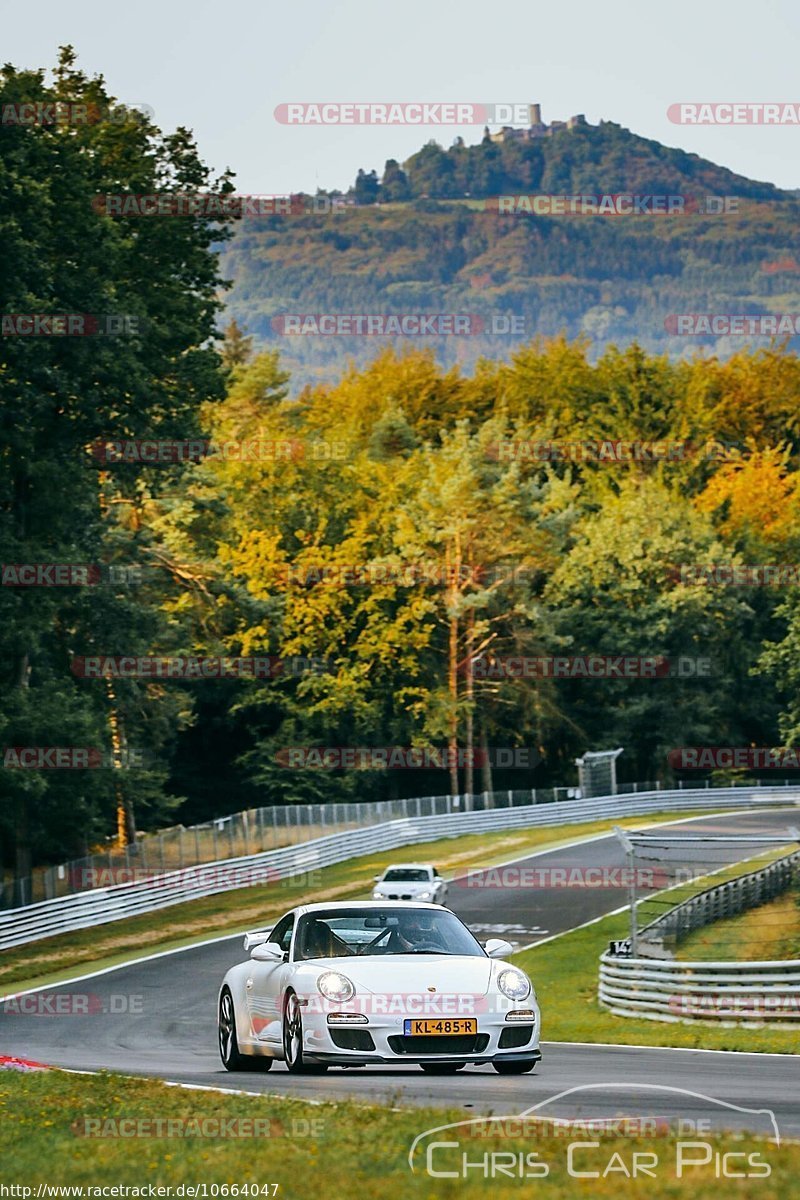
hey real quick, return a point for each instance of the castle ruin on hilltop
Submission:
(536, 129)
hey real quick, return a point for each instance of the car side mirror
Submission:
(267, 952)
(497, 948)
(377, 879)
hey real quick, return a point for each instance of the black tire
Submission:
(515, 1068)
(442, 1068)
(293, 1040)
(232, 1060)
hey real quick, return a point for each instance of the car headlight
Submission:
(425, 895)
(335, 986)
(514, 984)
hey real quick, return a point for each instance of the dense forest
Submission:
(385, 540)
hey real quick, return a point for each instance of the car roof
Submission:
(406, 866)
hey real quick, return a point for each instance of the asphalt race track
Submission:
(158, 1017)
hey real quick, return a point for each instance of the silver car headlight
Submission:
(514, 984)
(335, 986)
(425, 895)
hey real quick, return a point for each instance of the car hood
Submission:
(412, 973)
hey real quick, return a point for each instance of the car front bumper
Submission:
(497, 1039)
(364, 1060)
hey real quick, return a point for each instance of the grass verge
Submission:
(53, 959)
(771, 931)
(332, 1150)
(565, 974)
(652, 906)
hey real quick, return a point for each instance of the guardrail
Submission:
(101, 905)
(721, 901)
(258, 829)
(750, 992)
(252, 831)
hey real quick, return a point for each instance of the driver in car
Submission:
(411, 934)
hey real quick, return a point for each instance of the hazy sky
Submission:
(222, 68)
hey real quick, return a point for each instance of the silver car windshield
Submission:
(369, 932)
(407, 875)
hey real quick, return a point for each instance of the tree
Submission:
(367, 187)
(615, 594)
(64, 253)
(237, 350)
(755, 501)
(394, 184)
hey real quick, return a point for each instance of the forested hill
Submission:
(426, 237)
(601, 158)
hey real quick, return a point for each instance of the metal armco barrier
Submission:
(101, 905)
(724, 900)
(752, 992)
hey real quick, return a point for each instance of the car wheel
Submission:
(232, 1058)
(515, 1068)
(293, 1040)
(442, 1068)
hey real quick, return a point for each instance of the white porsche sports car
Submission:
(423, 991)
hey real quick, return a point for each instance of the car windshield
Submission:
(338, 933)
(407, 875)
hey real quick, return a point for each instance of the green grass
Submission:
(565, 975)
(333, 1151)
(53, 959)
(771, 931)
(655, 905)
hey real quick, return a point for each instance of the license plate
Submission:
(440, 1027)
